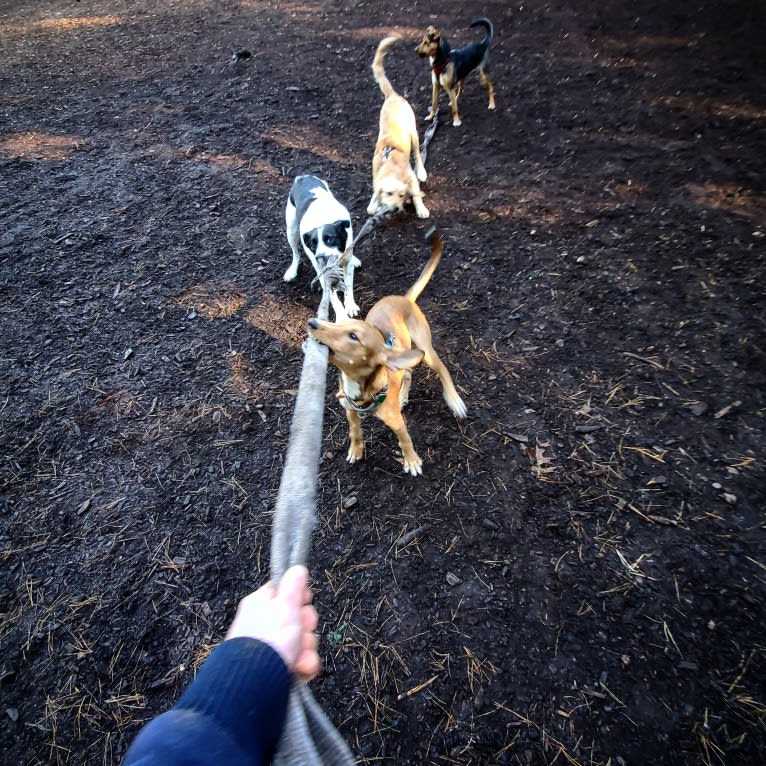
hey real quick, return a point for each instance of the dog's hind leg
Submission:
(420, 335)
(487, 83)
(451, 396)
(293, 237)
(420, 168)
(422, 339)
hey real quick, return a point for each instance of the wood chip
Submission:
(727, 409)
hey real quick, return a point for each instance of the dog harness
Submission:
(377, 399)
(439, 68)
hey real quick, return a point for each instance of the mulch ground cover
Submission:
(580, 574)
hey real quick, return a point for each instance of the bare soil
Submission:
(579, 576)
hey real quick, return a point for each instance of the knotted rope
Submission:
(309, 738)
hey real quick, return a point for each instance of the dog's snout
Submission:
(314, 323)
(322, 260)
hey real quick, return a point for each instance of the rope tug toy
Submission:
(309, 738)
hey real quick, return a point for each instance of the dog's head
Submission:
(393, 192)
(429, 45)
(358, 349)
(328, 242)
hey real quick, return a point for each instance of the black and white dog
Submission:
(318, 222)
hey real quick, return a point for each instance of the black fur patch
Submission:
(311, 240)
(335, 235)
(302, 194)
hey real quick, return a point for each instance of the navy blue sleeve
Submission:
(233, 712)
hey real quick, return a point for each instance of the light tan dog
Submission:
(375, 357)
(394, 183)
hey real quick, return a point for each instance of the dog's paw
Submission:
(352, 310)
(355, 452)
(422, 212)
(457, 123)
(290, 274)
(413, 465)
(372, 209)
(430, 116)
(457, 407)
(421, 174)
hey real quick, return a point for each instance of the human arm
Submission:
(234, 710)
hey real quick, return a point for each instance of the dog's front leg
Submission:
(420, 168)
(393, 418)
(338, 307)
(420, 209)
(435, 91)
(372, 208)
(454, 94)
(356, 448)
(352, 262)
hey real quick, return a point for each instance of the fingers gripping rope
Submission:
(309, 738)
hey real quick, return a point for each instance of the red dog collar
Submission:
(439, 68)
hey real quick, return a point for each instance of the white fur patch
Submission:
(351, 388)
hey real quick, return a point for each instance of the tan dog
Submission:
(394, 183)
(450, 66)
(375, 357)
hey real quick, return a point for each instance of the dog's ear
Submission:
(403, 360)
(341, 232)
(310, 240)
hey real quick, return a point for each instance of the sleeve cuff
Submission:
(243, 686)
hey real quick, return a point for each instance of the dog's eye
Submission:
(353, 336)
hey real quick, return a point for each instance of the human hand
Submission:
(283, 618)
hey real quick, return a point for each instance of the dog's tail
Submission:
(484, 22)
(437, 245)
(377, 65)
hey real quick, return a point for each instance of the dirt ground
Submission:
(579, 575)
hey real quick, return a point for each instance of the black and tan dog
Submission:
(375, 357)
(450, 66)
